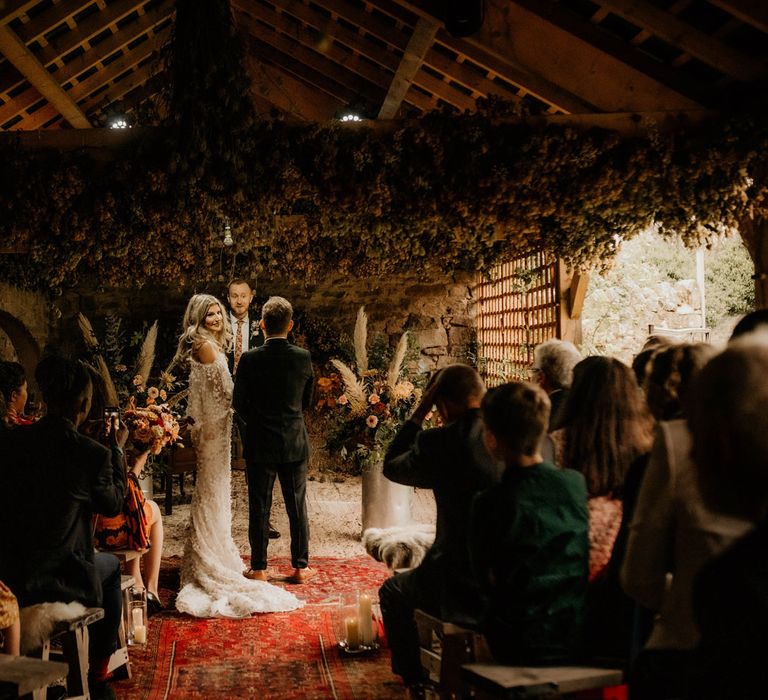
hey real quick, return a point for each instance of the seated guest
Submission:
(753, 321)
(729, 425)
(454, 462)
(553, 363)
(10, 632)
(53, 480)
(113, 532)
(672, 532)
(529, 541)
(13, 387)
(607, 429)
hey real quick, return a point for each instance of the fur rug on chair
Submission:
(37, 622)
(399, 547)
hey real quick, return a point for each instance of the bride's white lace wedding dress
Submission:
(212, 581)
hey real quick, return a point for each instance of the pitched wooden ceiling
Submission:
(78, 63)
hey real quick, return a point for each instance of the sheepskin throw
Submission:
(37, 622)
(399, 547)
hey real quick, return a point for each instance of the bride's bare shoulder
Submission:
(205, 352)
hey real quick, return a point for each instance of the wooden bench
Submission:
(180, 461)
(492, 681)
(23, 675)
(74, 650)
(119, 662)
(444, 649)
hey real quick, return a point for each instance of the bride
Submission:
(212, 581)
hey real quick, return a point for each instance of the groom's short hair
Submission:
(276, 313)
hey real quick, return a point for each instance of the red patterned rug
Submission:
(277, 655)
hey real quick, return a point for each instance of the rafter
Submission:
(322, 43)
(356, 86)
(753, 12)
(121, 88)
(290, 95)
(17, 53)
(690, 40)
(296, 10)
(41, 24)
(11, 9)
(122, 64)
(419, 44)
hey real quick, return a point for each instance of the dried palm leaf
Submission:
(176, 398)
(353, 388)
(393, 373)
(89, 335)
(146, 356)
(360, 341)
(110, 392)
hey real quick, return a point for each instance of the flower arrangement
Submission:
(153, 426)
(367, 406)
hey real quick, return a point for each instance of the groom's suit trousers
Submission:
(293, 484)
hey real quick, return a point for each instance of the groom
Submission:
(273, 386)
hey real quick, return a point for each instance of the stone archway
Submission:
(24, 346)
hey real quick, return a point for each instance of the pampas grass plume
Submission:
(147, 355)
(354, 389)
(360, 341)
(393, 373)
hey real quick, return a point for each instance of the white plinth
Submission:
(385, 503)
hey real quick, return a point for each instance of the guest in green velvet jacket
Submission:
(529, 537)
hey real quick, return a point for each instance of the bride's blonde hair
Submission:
(194, 332)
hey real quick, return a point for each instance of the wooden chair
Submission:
(119, 662)
(444, 649)
(493, 681)
(181, 460)
(23, 675)
(73, 635)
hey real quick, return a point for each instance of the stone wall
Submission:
(24, 325)
(439, 312)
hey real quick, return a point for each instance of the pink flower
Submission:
(374, 399)
(152, 392)
(342, 400)
(163, 395)
(372, 421)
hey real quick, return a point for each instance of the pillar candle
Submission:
(140, 634)
(366, 620)
(137, 617)
(352, 626)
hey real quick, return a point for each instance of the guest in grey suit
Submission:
(273, 387)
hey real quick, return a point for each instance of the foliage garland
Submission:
(442, 193)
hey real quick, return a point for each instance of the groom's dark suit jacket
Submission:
(273, 386)
(52, 480)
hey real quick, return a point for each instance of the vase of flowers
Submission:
(368, 405)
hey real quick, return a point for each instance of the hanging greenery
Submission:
(442, 193)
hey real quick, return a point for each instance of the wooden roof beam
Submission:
(752, 12)
(320, 42)
(121, 88)
(419, 44)
(688, 39)
(41, 24)
(290, 95)
(357, 86)
(11, 9)
(25, 61)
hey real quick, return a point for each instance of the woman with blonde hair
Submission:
(212, 580)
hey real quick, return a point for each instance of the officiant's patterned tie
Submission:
(238, 343)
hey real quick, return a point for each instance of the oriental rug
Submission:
(277, 655)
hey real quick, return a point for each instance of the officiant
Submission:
(246, 335)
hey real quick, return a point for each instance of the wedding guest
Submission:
(10, 631)
(607, 429)
(553, 363)
(729, 427)
(13, 387)
(529, 542)
(112, 532)
(246, 334)
(673, 531)
(754, 320)
(46, 552)
(455, 463)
